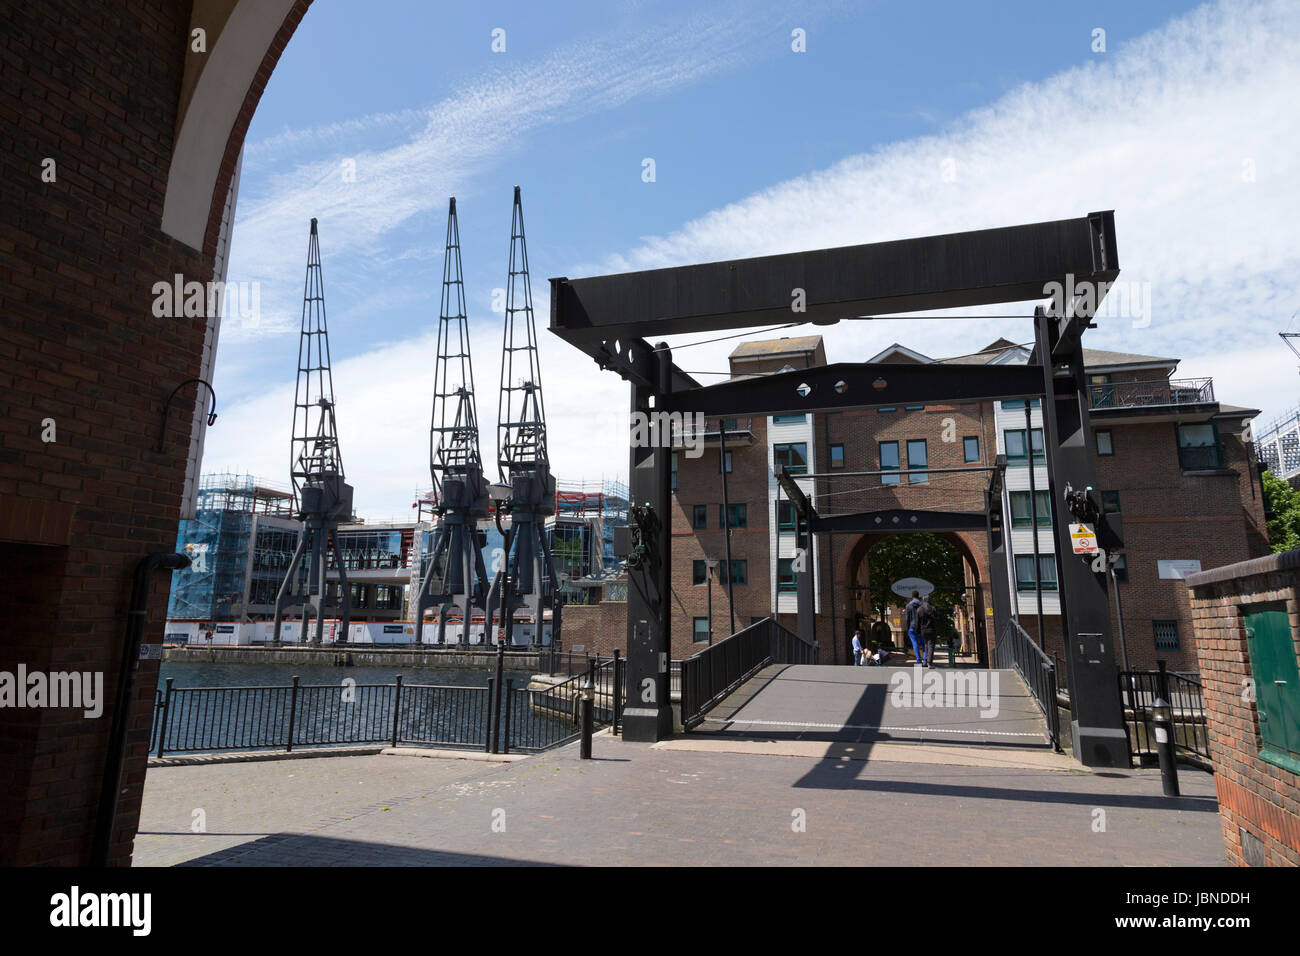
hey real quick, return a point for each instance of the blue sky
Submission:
(900, 119)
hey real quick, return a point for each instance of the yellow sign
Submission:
(1084, 538)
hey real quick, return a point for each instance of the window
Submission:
(699, 572)
(886, 410)
(1105, 443)
(1021, 517)
(785, 516)
(1166, 635)
(785, 577)
(789, 419)
(729, 425)
(971, 447)
(792, 456)
(1198, 447)
(917, 457)
(739, 572)
(1015, 444)
(1025, 572)
(1110, 502)
(889, 462)
(700, 630)
(1120, 567)
(700, 517)
(837, 456)
(738, 514)
(913, 408)
(674, 474)
(724, 463)
(1018, 404)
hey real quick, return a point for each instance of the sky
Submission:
(895, 120)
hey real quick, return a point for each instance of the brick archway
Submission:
(972, 548)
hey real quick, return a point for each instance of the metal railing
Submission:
(1015, 648)
(540, 718)
(205, 719)
(1164, 391)
(1138, 691)
(1200, 457)
(709, 676)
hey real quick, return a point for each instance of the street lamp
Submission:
(502, 492)
(710, 565)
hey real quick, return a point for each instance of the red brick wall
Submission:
(1168, 515)
(1253, 793)
(95, 87)
(600, 628)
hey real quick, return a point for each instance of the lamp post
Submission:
(710, 565)
(501, 493)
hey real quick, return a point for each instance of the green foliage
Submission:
(1284, 503)
(917, 556)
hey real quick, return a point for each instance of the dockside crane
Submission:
(526, 578)
(322, 498)
(454, 577)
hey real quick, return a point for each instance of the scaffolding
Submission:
(1279, 445)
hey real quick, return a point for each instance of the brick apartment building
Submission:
(1170, 458)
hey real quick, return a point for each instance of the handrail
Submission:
(711, 674)
(1015, 648)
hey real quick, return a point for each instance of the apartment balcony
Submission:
(1165, 399)
(740, 431)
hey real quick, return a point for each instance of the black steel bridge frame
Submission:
(610, 318)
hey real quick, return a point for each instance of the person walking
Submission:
(909, 624)
(927, 627)
(857, 648)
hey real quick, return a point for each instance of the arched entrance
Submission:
(962, 590)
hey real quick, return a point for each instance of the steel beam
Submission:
(1097, 720)
(648, 715)
(958, 270)
(857, 385)
(891, 520)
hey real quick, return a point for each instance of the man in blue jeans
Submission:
(909, 623)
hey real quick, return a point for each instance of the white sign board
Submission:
(1084, 538)
(1177, 570)
(904, 587)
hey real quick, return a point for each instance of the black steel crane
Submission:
(454, 577)
(526, 578)
(321, 496)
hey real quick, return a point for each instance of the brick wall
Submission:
(1254, 794)
(95, 88)
(600, 628)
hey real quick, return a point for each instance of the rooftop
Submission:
(767, 348)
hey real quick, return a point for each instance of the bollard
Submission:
(1162, 719)
(588, 706)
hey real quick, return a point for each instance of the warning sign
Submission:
(1084, 538)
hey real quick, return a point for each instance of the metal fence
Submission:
(709, 676)
(538, 718)
(1017, 649)
(1138, 691)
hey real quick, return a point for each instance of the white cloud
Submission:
(1159, 130)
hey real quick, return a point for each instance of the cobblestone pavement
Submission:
(637, 805)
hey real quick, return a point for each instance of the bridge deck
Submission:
(865, 704)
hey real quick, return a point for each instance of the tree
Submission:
(918, 555)
(1283, 503)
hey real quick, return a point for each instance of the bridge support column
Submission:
(999, 582)
(1096, 718)
(648, 714)
(804, 577)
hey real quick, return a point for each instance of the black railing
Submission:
(1138, 691)
(1163, 391)
(544, 717)
(1200, 457)
(709, 676)
(204, 719)
(1017, 649)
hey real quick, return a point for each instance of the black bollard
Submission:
(1163, 721)
(588, 707)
